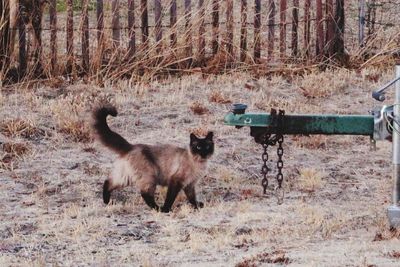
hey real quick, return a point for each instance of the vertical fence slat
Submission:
(53, 36)
(4, 34)
(295, 27)
(116, 32)
(202, 40)
(320, 29)
(257, 24)
(100, 21)
(361, 24)
(215, 26)
(188, 28)
(338, 46)
(22, 47)
(70, 35)
(282, 37)
(157, 17)
(307, 25)
(145, 23)
(229, 27)
(131, 28)
(271, 28)
(330, 27)
(172, 24)
(85, 35)
(243, 31)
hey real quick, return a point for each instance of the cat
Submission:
(150, 165)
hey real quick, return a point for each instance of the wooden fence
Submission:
(182, 34)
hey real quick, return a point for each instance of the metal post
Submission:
(394, 210)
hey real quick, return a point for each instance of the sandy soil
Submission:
(51, 173)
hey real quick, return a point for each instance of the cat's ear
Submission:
(193, 137)
(210, 136)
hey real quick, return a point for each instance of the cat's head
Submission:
(203, 147)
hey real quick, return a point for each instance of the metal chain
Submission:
(279, 164)
(265, 169)
(267, 140)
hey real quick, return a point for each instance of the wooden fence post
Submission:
(295, 26)
(157, 17)
(188, 28)
(100, 21)
(4, 34)
(330, 28)
(145, 23)
(53, 36)
(229, 27)
(116, 33)
(338, 47)
(131, 28)
(361, 22)
(22, 48)
(271, 29)
(202, 40)
(70, 35)
(85, 35)
(282, 43)
(307, 25)
(257, 37)
(243, 32)
(172, 24)
(320, 29)
(215, 25)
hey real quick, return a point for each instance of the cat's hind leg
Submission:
(147, 191)
(190, 193)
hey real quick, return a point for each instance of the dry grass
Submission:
(218, 97)
(310, 180)
(21, 128)
(323, 84)
(51, 202)
(77, 131)
(11, 153)
(199, 108)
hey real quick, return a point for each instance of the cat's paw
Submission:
(165, 210)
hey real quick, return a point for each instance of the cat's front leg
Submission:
(173, 190)
(190, 192)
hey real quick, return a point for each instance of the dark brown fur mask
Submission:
(204, 147)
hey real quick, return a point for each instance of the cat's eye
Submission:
(198, 147)
(207, 147)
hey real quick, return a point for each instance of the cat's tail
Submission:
(107, 137)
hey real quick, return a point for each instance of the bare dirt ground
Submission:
(51, 174)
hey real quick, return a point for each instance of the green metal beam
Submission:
(308, 124)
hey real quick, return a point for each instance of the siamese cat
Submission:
(147, 166)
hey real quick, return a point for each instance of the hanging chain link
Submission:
(270, 141)
(265, 169)
(279, 163)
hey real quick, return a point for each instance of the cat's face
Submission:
(204, 147)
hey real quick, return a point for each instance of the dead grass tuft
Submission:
(198, 108)
(310, 142)
(386, 233)
(277, 257)
(323, 84)
(394, 254)
(21, 128)
(201, 131)
(77, 130)
(310, 180)
(12, 152)
(218, 97)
